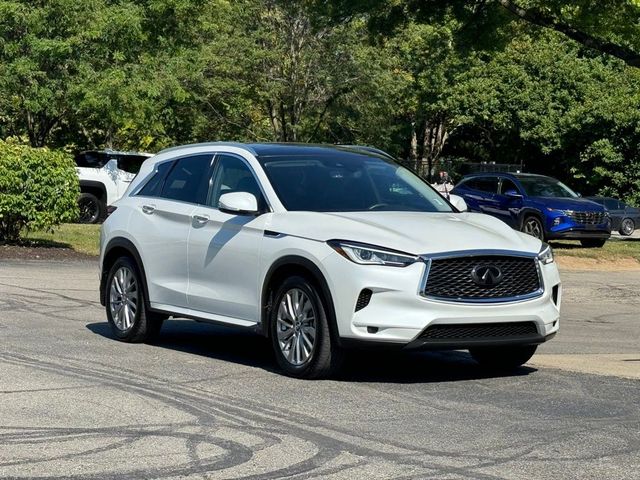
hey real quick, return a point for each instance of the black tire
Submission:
(593, 242)
(144, 325)
(325, 356)
(503, 358)
(92, 209)
(531, 225)
(627, 227)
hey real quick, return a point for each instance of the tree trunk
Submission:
(413, 147)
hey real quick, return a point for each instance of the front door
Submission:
(224, 248)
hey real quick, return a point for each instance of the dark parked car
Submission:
(540, 206)
(624, 217)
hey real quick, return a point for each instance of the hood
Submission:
(576, 204)
(412, 232)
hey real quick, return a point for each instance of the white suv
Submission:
(104, 177)
(321, 248)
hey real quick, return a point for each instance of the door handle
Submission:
(148, 209)
(200, 219)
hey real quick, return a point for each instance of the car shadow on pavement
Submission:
(384, 366)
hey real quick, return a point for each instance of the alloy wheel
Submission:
(627, 226)
(296, 326)
(532, 227)
(123, 298)
(89, 210)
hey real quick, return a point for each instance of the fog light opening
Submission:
(372, 329)
(363, 299)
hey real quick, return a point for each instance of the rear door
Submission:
(161, 225)
(224, 248)
(480, 194)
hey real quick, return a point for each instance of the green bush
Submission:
(38, 189)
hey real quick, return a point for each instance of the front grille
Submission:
(587, 218)
(453, 278)
(480, 331)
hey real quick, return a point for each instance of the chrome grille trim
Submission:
(429, 258)
(587, 218)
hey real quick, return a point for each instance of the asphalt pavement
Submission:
(208, 402)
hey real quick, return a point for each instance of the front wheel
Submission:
(593, 242)
(503, 358)
(627, 227)
(126, 311)
(533, 226)
(300, 331)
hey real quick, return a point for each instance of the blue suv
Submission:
(540, 206)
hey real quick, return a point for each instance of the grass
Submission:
(81, 238)
(615, 249)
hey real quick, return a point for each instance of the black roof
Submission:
(293, 149)
(507, 174)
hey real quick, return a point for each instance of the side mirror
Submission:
(512, 194)
(458, 202)
(238, 203)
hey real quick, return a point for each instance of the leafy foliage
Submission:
(38, 189)
(545, 84)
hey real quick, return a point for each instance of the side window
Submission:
(507, 185)
(233, 175)
(154, 185)
(130, 163)
(611, 204)
(187, 180)
(484, 184)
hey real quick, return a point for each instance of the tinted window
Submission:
(233, 175)
(187, 180)
(507, 185)
(612, 204)
(130, 163)
(92, 159)
(484, 184)
(154, 185)
(347, 182)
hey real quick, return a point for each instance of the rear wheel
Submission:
(533, 226)
(92, 209)
(627, 227)
(503, 358)
(300, 331)
(126, 311)
(593, 242)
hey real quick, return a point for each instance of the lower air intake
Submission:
(480, 331)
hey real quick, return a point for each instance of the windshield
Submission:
(349, 182)
(546, 187)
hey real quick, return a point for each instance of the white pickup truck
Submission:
(104, 177)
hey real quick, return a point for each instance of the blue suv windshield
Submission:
(546, 187)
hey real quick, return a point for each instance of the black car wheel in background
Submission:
(627, 227)
(624, 217)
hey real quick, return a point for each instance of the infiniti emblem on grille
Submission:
(486, 275)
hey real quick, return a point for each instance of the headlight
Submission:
(558, 211)
(546, 254)
(363, 254)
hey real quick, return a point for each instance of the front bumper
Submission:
(397, 315)
(578, 234)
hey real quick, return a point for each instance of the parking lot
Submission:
(208, 402)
